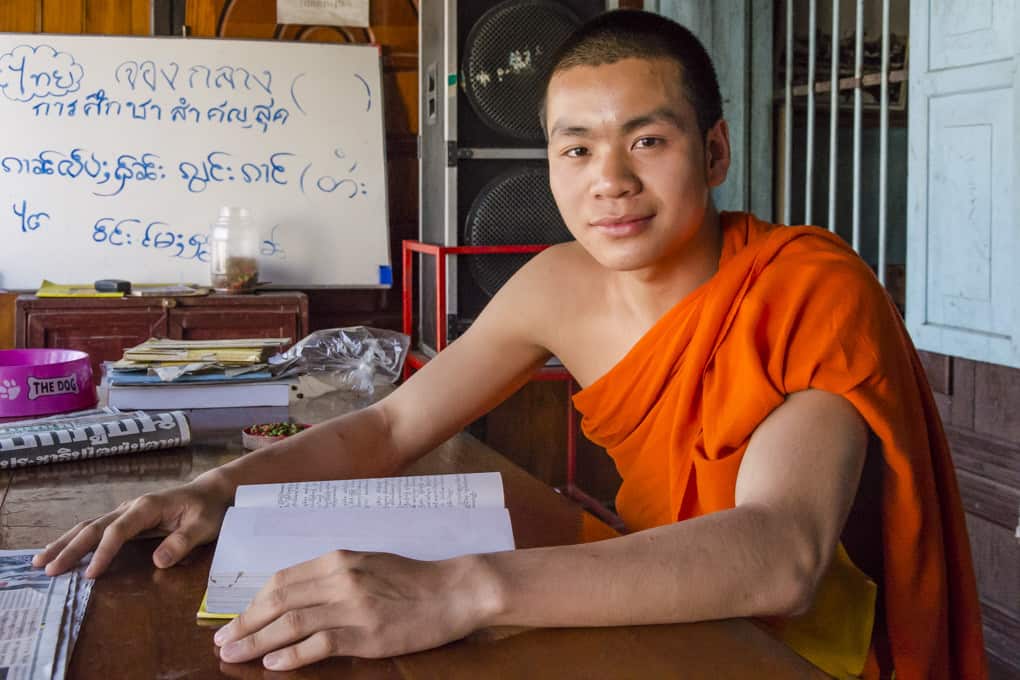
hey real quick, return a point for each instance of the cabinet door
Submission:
(227, 323)
(103, 334)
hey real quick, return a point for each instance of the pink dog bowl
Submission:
(36, 382)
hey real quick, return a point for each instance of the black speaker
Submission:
(483, 170)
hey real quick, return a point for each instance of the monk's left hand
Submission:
(357, 604)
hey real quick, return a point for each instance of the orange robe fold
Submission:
(791, 309)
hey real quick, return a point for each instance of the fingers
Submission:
(106, 534)
(293, 625)
(297, 586)
(190, 518)
(269, 606)
(174, 547)
(299, 618)
(53, 549)
(331, 562)
(321, 645)
(144, 513)
(64, 553)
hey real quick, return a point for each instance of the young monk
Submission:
(741, 375)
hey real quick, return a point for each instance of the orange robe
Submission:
(790, 309)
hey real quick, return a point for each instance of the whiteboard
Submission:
(117, 153)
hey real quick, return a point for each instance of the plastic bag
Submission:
(353, 358)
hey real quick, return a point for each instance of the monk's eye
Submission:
(576, 152)
(647, 142)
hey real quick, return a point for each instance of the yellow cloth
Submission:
(835, 634)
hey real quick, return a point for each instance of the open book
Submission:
(275, 526)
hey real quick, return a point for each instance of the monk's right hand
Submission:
(187, 515)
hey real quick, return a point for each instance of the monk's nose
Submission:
(615, 176)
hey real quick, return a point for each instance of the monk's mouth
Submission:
(626, 227)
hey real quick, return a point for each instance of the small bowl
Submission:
(253, 441)
(35, 382)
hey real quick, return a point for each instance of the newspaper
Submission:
(32, 424)
(74, 613)
(40, 617)
(89, 434)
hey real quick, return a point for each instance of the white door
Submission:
(963, 228)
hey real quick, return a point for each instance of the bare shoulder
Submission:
(550, 291)
(567, 267)
(512, 337)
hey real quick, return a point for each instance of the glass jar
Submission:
(233, 252)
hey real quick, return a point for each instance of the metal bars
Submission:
(858, 73)
(834, 86)
(809, 158)
(883, 144)
(788, 120)
(833, 115)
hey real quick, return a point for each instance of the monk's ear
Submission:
(717, 153)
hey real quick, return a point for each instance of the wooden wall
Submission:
(112, 17)
(7, 320)
(979, 404)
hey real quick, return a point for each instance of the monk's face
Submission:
(629, 170)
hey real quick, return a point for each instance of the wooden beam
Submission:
(845, 84)
(18, 16)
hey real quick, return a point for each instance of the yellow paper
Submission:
(48, 289)
(204, 613)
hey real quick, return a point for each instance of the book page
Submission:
(255, 543)
(465, 491)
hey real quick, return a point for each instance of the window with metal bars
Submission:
(840, 119)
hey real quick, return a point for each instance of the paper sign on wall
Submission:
(328, 12)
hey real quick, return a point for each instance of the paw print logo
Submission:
(9, 389)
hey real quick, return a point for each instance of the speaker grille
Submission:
(506, 60)
(515, 208)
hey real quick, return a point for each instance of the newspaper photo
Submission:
(89, 434)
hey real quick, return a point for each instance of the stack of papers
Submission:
(168, 374)
(156, 352)
(40, 616)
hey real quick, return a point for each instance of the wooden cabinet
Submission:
(104, 327)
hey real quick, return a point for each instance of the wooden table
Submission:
(141, 620)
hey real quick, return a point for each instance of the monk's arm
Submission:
(494, 358)
(766, 556)
(796, 483)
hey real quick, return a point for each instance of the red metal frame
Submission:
(441, 253)
(415, 360)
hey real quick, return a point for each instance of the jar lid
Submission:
(229, 212)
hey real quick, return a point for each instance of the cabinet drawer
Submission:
(221, 324)
(104, 335)
(106, 327)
